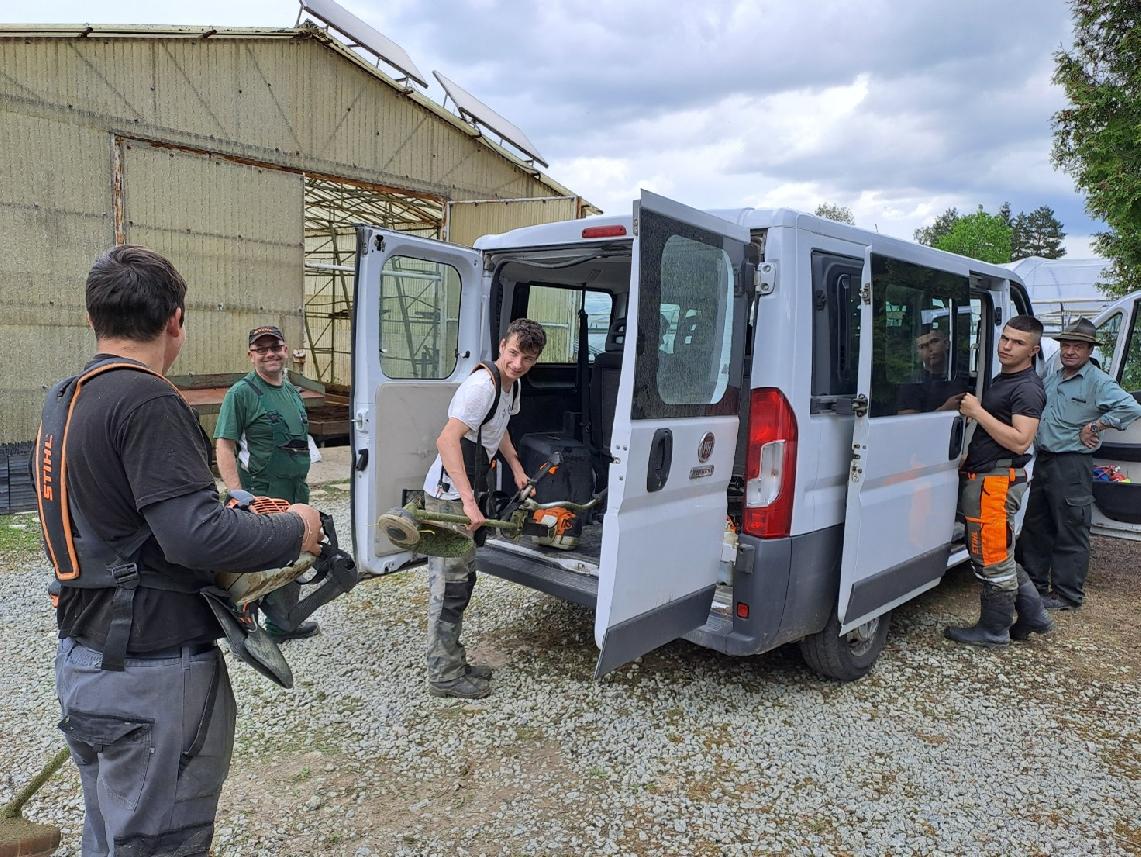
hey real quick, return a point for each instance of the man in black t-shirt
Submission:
(992, 482)
(152, 727)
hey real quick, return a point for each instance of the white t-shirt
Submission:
(470, 405)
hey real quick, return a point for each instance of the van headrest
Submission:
(616, 335)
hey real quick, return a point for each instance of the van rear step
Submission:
(506, 559)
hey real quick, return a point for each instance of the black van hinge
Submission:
(378, 243)
(866, 293)
(860, 405)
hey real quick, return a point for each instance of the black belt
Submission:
(1045, 453)
(174, 651)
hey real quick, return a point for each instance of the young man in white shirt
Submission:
(476, 430)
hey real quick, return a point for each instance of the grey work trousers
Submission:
(1054, 545)
(152, 754)
(451, 581)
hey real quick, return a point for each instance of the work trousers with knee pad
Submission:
(1054, 548)
(451, 581)
(152, 743)
(988, 503)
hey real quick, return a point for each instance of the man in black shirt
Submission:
(992, 482)
(150, 727)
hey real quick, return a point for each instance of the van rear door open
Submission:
(675, 430)
(903, 481)
(416, 336)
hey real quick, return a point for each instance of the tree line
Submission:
(998, 238)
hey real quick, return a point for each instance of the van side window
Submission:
(835, 324)
(556, 309)
(1107, 335)
(419, 318)
(921, 359)
(1130, 375)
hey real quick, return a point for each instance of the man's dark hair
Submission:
(530, 335)
(132, 292)
(1027, 324)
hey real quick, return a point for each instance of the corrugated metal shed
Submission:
(198, 142)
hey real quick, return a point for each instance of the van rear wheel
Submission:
(846, 657)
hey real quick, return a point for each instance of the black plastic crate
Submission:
(17, 492)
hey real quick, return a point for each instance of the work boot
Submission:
(1055, 601)
(464, 687)
(479, 671)
(995, 618)
(1032, 616)
(280, 635)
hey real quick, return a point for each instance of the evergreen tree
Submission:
(1038, 233)
(1096, 137)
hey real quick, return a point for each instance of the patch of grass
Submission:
(19, 535)
(302, 776)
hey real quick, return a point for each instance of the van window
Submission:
(1107, 333)
(419, 318)
(556, 309)
(922, 319)
(687, 283)
(1130, 375)
(836, 324)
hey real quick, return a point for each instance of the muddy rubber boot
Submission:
(1032, 616)
(995, 618)
(478, 671)
(464, 687)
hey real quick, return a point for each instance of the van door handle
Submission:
(661, 457)
(955, 449)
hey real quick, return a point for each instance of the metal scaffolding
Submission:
(332, 208)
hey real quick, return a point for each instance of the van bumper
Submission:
(790, 586)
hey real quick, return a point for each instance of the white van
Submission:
(749, 386)
(1117, 505)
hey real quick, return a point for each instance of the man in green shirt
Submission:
(264, 415)
(1081, 402)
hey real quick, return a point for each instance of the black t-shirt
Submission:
(133, 442)
(1009, 394)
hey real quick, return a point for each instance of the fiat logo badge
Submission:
(705, 448)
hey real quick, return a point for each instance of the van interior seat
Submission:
(604, 385)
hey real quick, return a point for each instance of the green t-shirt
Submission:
(244, 412)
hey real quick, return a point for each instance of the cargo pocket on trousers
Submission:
(124, 746)
(1081, 509)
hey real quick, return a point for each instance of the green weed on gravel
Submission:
(19, 536)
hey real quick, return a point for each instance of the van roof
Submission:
(570, 232)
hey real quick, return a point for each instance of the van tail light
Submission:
(770, 465)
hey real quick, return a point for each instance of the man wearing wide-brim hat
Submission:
(1082, 401)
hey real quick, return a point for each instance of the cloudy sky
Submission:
(897, 109)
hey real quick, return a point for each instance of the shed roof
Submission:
(306, 30)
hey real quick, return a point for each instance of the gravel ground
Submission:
(941, 750)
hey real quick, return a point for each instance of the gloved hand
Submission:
(239, 498)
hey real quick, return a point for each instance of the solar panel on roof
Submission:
(364, 36)
(476, 112)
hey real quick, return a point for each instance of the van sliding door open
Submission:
(675, 430)
(416, 336)
(915, 347)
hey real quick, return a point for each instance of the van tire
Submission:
(849, 657)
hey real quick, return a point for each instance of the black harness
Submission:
(479, 468)
(80, 560)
